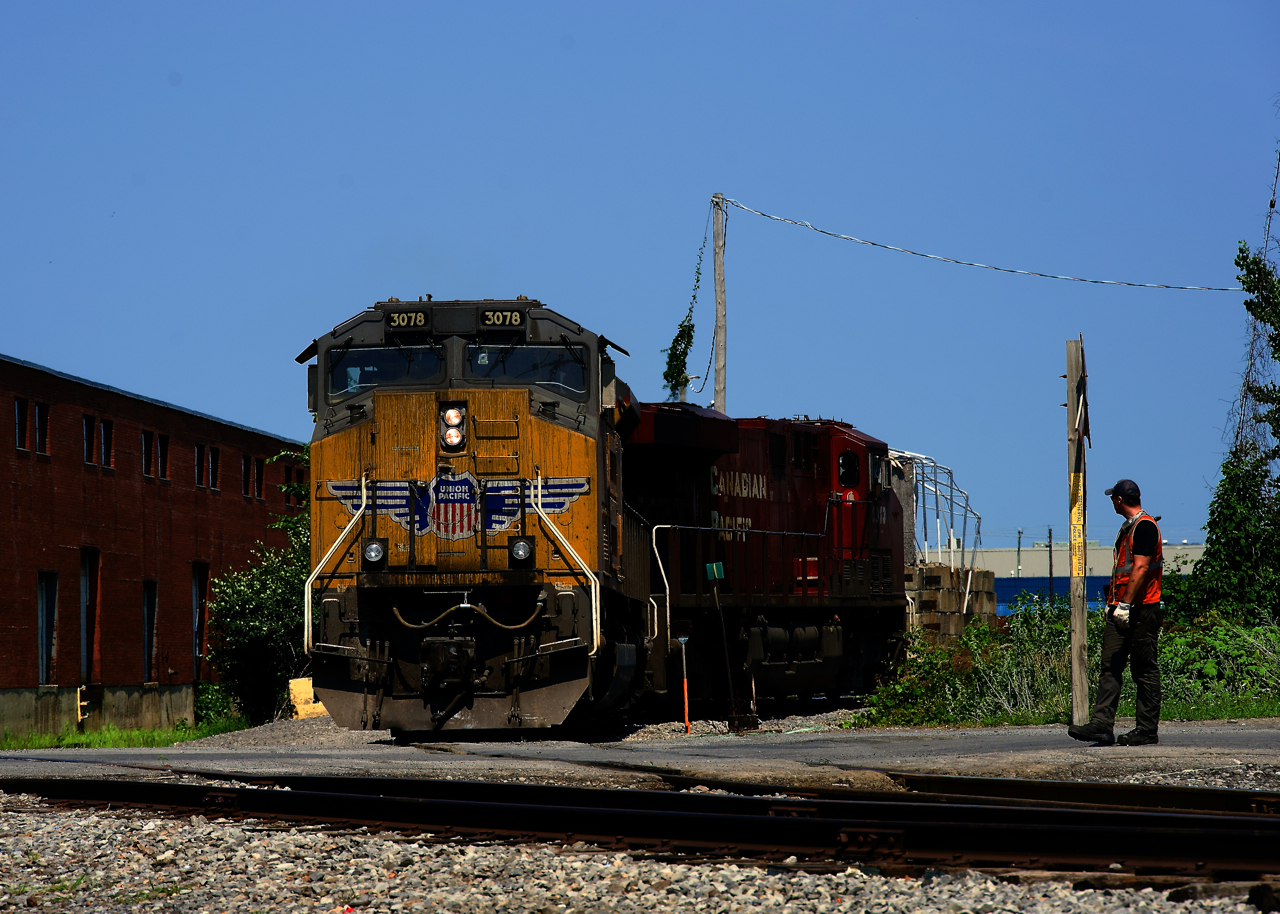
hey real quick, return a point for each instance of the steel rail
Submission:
(748, 798)
(894, 828)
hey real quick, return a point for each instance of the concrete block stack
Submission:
(937, 604)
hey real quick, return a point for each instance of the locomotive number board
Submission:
(490, 318)
(408, 320)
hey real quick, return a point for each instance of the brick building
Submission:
(119, 510)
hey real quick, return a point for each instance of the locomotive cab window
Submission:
(559, 368)
(849, 468)
(352, 370)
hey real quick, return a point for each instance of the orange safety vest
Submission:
(1122, 569)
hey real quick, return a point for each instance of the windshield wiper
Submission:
(408, 356)
(573, 351)
(342, 351)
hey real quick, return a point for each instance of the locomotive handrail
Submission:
(572, 553)
(662, 570)
(311, 578)
(666, 586)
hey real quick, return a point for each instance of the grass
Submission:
(110, 737)
(1221, 707)
(1211, 668)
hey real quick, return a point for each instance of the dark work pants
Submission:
(1135, 646)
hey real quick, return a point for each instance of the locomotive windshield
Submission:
(354, 370)
(561, 368)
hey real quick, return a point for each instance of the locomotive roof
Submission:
(378, 312)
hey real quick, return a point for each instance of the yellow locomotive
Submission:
(468, 528)
(476, 565)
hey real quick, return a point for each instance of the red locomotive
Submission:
(807, 531)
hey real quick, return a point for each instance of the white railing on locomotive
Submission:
(798, 572)
(931, 478)
(315, 572)
(568, 550)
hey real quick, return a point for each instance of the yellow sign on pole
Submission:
(1077, 525)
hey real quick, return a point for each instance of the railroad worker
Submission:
(1134, 614)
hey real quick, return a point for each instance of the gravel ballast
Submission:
(129, 861)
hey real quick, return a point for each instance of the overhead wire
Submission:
(984, 266)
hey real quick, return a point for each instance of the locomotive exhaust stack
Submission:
(492, 505)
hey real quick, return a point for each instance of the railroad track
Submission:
(955, 822)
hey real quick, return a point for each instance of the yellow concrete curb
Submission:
(304, 700)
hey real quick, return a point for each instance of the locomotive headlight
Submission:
(373, 552)
(453, 418)
(521, 550)
(452, 436)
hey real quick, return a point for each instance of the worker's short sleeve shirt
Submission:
(1146, 537)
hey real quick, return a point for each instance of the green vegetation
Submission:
(1239, 576)
(255, 617)
(110, 737)
(1211, 668)
(676, 375)
(255, 629)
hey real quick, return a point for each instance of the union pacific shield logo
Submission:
(454, 508)
(451, 506)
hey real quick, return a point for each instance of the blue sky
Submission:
(191, 193)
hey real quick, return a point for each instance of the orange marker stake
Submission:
(684, 676)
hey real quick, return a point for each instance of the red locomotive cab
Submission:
(863, 520)
(851, 469)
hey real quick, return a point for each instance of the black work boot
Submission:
(1138, 738)
(1092, 733)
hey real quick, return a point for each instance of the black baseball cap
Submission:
(1127, 489)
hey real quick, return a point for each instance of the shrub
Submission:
(1021, 674)
(255, 629)
(214, 701)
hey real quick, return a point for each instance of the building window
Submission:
(301, 480)
(20, 417)
(246, 471)
(258, 472)
(200, 465)
(90, 426)
(47, 622)
(42, 428)
(288, 485)
(148, 631)
(163, 441)
(89, 562)
(213, 467)
(148, 439)
(199, 600)
(105, 442)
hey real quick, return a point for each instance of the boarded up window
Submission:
(20, 407)
(47, 622)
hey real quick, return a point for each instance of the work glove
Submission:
(1120, 615)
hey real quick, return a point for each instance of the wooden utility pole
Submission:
(1077, 434)
(717, 202)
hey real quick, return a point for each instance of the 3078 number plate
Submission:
(405, 320)
(501, 318)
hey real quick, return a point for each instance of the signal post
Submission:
(1077, 434)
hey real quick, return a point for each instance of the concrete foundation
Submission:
(53, 709)
(944, 600)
